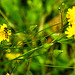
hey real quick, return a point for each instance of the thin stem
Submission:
(7, 20)
(61, 20)
(55, 66)
(43, 69)
(74, 61)
(62, 15)
(46, 36)
(74, 55)
(32, 50)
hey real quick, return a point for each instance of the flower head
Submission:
(4, 33)
(71, 15)
(70, 31)
(7, 74)
(11, 56)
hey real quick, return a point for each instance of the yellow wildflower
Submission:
(4, 33)
(70, 31)
(4, 26)
(7, 74)
(71, 15)
(11, 56)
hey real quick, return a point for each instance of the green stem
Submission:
(61, 21)
(32, 50)
(45, 36)
(7, 20)
(42, 69)
(74, 55)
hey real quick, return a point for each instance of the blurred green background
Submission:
(26, 18)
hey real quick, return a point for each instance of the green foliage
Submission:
(11, 8)
(57, 52)
(43, 51)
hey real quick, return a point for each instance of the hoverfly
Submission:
(6, 32)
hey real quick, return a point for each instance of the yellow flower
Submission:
(71, 15)
(70, 31)
(4, 33)
(4, 26)
(11, 56)
(7, 74)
